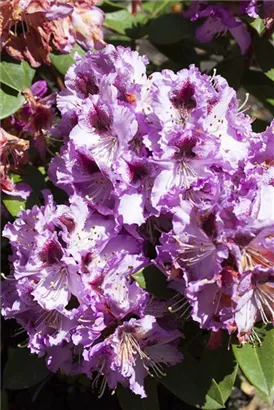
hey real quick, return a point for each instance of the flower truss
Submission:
(168, 162)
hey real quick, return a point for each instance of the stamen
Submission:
(244, 103)
(105, 150)
(213, 75)
(56, 286)
(261, 308)
(7, 277)
(19, 332)
(255, 337)
(265, 299)
(23, 344)
(130, 347)
(196, 251)
(251, 257)
(179, 305)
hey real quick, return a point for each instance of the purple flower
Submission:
(194, 245)
(49, 246)
(186, 157)
(163, 170)
(255, 301)
(211, 300)
(75, 171)
(107, 130)
(136, 348)
(220, 19)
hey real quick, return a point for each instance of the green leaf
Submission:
(258, 25)
(264, 52)
(170, 28)
(35, 178)
(119, 40)
(206, 383)
(62, 62)
(10, 101)
(157, 7)
(154, 281)
(259, 125)
(139, 278)
(257, 84)
(14, 204)
(123, 22)
(186, 381)
(223, 367)
(182, 54)
(130, 401)
(232, 69)
(16, 75)
(23, 370)
(109, 6)
(4, 400)
(257, 363)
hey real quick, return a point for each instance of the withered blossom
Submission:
(31, 29)
(13, 155)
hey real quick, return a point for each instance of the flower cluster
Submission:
(31, 29)
(72, 290)
(148, 149)
(161, 169)
(222, 17)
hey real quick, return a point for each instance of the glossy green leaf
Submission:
(223, 367)
(182, 54)
(10, 101)
(14, 204)
(264, 52)
(139, 278)
(62, 62)
(35, 178)
(206, 383)
(110, 6)
(130, 401)
(258, 25)
(232, 69)
(170, 28)
(123, 22)
(16, 75)
(156, 8)
(154, 281)
(23, 370)
(261, 87)
(257, 363)
(186, 381)
(119, 40)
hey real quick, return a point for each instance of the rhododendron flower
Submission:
(189, 152)
(220, 19)
(136, 348)
(255, 301)
(72, 290)
(161, 171)
(224, 17)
